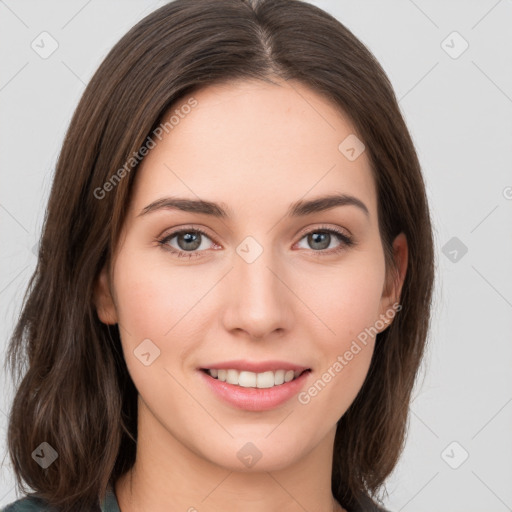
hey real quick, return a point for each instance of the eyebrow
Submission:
(300, 208)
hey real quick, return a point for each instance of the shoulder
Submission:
(29, 503)
(34, 503)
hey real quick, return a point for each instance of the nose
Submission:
(258, 301)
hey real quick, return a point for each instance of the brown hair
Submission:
(76, 393)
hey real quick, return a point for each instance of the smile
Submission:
(247, 379)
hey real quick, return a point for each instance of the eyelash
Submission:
(346, 242)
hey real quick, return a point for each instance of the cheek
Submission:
(159, 304)
(151, 298)
(152, 303)
(345, 299)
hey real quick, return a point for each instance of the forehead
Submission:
(250, 142)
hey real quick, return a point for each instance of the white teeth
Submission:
(254, 380)
(279, 377)
(244, 379)
(265, 380)
(232, 377)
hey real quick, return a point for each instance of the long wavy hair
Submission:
(73, 389)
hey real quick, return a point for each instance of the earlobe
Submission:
(394, 281)
(103, 301)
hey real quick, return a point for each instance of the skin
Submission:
(256, 148)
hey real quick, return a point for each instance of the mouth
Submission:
(269, 386)
(247, 379)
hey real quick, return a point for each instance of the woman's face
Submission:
(268, 286)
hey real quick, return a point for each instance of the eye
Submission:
(321, 238)
(189, 242)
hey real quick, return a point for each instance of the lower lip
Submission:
(255, 399)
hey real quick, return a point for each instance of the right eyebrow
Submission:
(186, 205)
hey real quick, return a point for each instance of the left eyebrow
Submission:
(300, 208)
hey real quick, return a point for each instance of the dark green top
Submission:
(31, 503)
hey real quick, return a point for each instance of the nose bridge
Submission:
(258, 300)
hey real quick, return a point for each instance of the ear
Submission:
(395, 280)
(103, 299)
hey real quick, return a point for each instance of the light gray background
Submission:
(459, 111)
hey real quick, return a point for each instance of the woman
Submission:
(233, 289)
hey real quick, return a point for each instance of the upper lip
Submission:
(255, 366)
